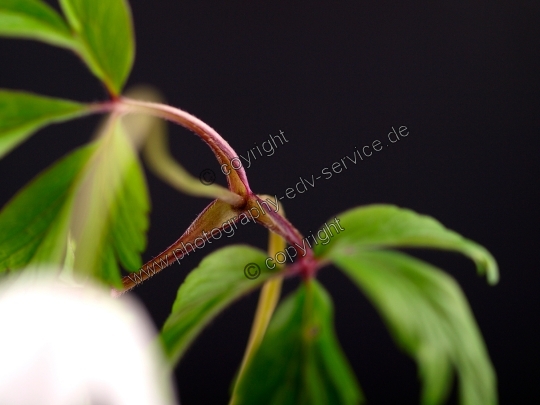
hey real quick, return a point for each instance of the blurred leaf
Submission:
(97, 196)
(105, 37)
(299, 360)
(110, 216)
(34, 224)
(21, 114)
(429, 318)
(217, 281)
(379, 226)
(34, 19)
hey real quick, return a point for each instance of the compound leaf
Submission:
(22, 114)
(380, 226)
(300, 361)
(104, 33)
(429, 318)
(220, 278)
(34, 19)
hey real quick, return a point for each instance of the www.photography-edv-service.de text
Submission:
(345, 162)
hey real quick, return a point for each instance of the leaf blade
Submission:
(96, 197)
(27, 227)
(300, 357)
(22, 113)
(105, 37)
(111, 209)
(34, 19)
(380, 226)
(215, 283)
(429, 318)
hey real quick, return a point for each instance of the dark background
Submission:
(461, 75)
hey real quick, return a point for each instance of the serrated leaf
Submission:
(381, 226)
(104, 32)
(217, 281)
(429, 318)
(34, 224)
(300, 361)
(34, 19)
(21, 114)
(111, 209)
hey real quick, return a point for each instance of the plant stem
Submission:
(160, 161)
(216, 215)
(237, 179)
(239, 198)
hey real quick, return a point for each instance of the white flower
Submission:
(65, 345)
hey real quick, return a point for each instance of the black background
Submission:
(461, 75)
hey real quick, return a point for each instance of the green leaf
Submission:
(429, 318)
(22, 114)
(34, 224)
(219, 279)
(101, 32)
(300, 360)
(95, 198)
(104, 32)
(111, 209)
(379, 226)
(34, 19)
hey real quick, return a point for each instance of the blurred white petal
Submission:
(64, 345)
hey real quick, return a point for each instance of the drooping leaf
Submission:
(383, 226)
(219, 279)
(34, 224)
(34, 19)
(429, 318)
(21, 114)
(104, 33)
(300, 361)
(111, 209)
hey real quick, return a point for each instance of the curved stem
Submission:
(238, 184)
(160, 161)
(237, 179)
